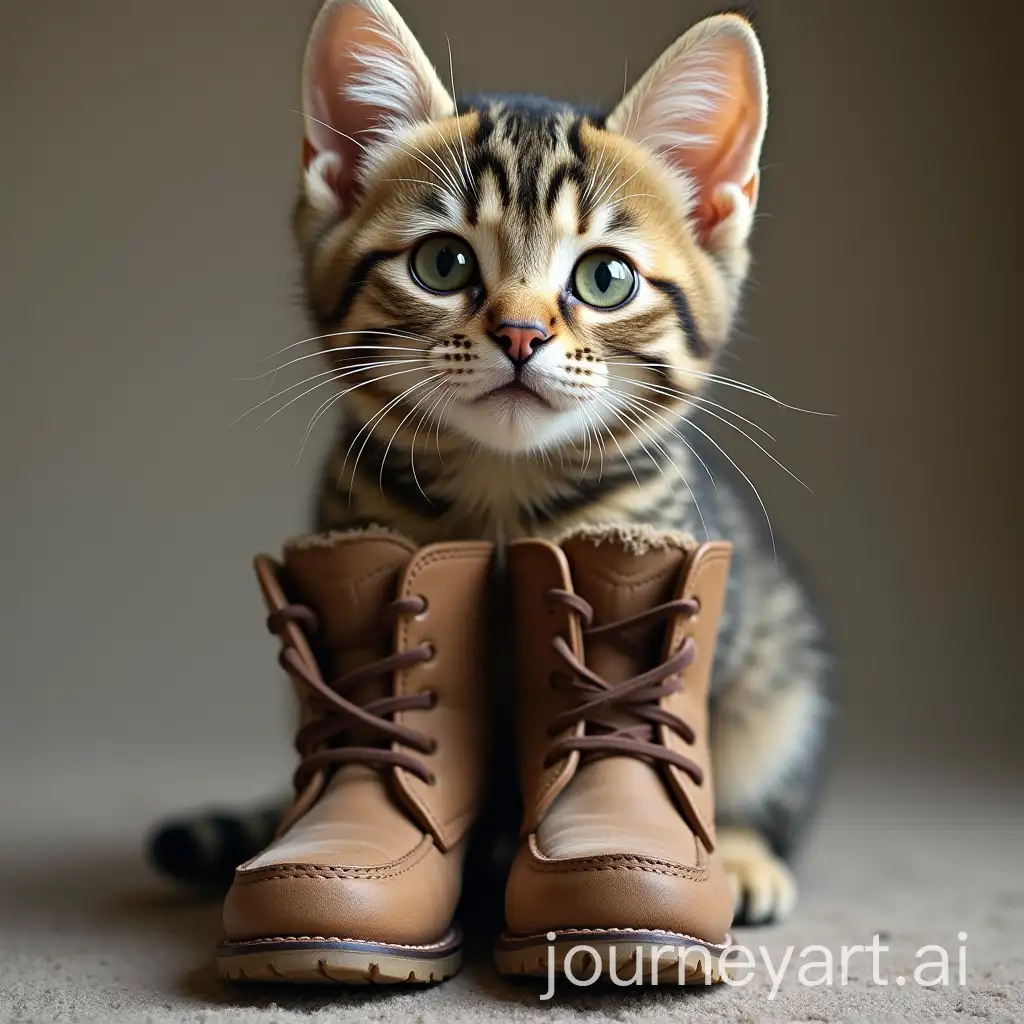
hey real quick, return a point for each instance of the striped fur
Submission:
(668, 180)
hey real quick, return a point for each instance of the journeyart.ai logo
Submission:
(626, 963)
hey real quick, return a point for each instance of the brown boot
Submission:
(616, 636)
(386, 645)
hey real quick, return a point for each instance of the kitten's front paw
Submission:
(763, 888)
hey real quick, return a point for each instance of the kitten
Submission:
(522, 304)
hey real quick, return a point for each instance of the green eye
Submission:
(444, 263)
(604, 279)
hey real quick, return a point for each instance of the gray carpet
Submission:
(88, 934)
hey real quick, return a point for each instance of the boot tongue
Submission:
(622, 572)
(348, 580)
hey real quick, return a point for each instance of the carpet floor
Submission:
(86, 933)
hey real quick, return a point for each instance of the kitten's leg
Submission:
(767, 734)
(763, 887)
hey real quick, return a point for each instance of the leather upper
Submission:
(614, 841)
(374, 851)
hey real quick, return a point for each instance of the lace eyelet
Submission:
(434, 699)
(696, 607)
(429, 651)
(432, 749)
(426, 606)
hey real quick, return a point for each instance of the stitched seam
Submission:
(474, 555)
(614, 862)
(614, 858)
(565, 766)
(692, 874)
(299, 871)
(710, 562)
(620, 928)
(334, 938)
(325, 874)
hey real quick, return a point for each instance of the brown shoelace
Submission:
(638, 696)
(318, 742)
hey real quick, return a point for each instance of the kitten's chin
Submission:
(512, 423)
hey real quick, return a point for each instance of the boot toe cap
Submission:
(411, 901)
(617, 891)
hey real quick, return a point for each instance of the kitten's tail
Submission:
(203, 849)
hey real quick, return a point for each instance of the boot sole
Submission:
(330, 961)
(681, 959)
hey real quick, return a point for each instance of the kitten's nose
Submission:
(520, 341)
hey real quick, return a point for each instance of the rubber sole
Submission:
(336, 961)
(665, 958)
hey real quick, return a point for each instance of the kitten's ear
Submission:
(363, 71)
(704, 106)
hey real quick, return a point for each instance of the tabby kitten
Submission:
(521, 305)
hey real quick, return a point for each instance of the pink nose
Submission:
(520, 341)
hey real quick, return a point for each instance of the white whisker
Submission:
(462, 141)
(418, 403)
(643, 166)
(321, 410)
(760, 447)
(687, 397)
(427, 413)
(316, 376)
(404, 335)
(445, 410)
(611, 434)
(724, 381)
(330, 127)
(336, 349)
(420, 181)
(330, 380)
(371, 423)
(671, 427)
(606, 183)
(750, 483)
(434, 166)
(688, 400)
(324, 406)
(639, 412)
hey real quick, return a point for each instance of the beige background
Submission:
(149, 160)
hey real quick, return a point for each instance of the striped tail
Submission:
(203, 849)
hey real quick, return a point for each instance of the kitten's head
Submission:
(533, 272)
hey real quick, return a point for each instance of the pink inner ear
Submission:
(336, 123)
(715, 207)
(704, 106)
(734, 126)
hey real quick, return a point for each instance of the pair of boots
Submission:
(614, 634)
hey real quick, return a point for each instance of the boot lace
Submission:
(320, 743)
(639, 697)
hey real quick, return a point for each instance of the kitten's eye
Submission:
(444, 263)
(604, 279)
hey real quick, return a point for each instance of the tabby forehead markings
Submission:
(517, 153)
